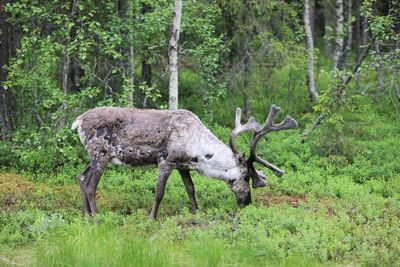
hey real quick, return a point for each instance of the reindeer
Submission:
(171, 140)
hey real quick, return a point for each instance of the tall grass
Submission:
(154, 244)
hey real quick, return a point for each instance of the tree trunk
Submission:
(311, 16)
(173, 56)
(146, 79)
(5, 108)
(379, 68)
(146, 70)
(357, 40)
(339, 35)
(131, 71)
(328, 21)
(364, 32)
(349, 35)
(310, 49)
(66, 64)
(66, 69)
(246, 77)
(246, 59)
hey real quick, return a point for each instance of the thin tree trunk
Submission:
(173, 56)
(5, 108)
(379, 69)
(247, 59)
(146, 66)
(349, 35)
(66, 64)
(75, 75)
(310, 49)
(328, 19)
(65, 71)
(339, 35)
(131, 74)
(146, 79)
(364, 32)
(246, 77)
(357, 40)
(311, 15)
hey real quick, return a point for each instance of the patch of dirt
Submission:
(13, 183)
(269, 200)
(14, 187)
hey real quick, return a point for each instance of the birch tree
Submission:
(339, 35)
(131, 48)
(173, 55)
(310, 51)
(379, 67)
(349, 35)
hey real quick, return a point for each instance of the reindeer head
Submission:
(241, 187)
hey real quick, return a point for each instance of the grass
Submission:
(277, 230)
(336, 210)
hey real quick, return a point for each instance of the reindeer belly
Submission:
(138, 156)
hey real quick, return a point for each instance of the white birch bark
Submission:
(379, 68)
(131, 74)
(310, 51)
(339, 35)
(173, 56)
(349, 41)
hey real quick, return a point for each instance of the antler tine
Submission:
(270, 119)
(251, 125)
(287, 123)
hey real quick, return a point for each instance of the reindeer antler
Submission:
(269, 126)
(251, 125)
(258, 177)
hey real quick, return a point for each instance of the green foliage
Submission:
(337, 203)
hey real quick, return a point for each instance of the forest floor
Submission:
(42, 226)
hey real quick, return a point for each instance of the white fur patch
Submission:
(116, 161)
(76, 124)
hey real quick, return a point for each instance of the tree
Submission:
(339, 35)
(246, 60)
(310, 49)
(5, 109)
(173, 55)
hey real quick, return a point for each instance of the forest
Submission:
(332, 65)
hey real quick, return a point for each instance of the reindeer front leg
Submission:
(187, 180)
(164, 170)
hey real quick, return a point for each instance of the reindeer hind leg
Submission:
(89, 184)
(82, 178)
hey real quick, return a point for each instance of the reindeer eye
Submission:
(208, 156)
